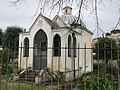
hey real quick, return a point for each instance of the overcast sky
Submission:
(23, 15)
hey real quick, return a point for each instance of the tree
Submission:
(1, 34)
(11, 37)
(10, 40)
(106, 49)
(4, 58)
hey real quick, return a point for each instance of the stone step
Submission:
(29, 76)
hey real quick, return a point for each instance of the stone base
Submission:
(37, 80)
(16, 77)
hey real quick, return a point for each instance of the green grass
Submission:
(22, 86)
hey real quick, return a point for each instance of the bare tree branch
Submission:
(118, 22)
(98, 28)
(81, 5)
(16, 2)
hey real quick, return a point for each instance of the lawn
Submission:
(22, 86)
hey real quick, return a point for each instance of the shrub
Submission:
(95, 82)
(10, 70)
(110, 69)
(60, 75)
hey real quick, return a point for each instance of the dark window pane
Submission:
(57, 45)
(26, 47)
(69, 46)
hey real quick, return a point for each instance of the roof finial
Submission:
(40, 10)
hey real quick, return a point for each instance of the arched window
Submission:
(57, 45)
(26, 47)
(69, 45)
(74, 46)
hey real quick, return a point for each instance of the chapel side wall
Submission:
(79, 58)
(56, 63)
(84, 39)
(23, 62)
(64, 52)
(87, 53)
(69, 60)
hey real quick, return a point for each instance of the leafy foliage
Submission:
(106, 49)
(4, 59)
(106, 68)
(60, 75)
(95, 82)
(9, 40)
(5, 56)
(11, 37)
(1, 34)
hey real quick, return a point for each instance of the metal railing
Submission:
(89, 70)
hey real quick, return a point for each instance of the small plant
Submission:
(10, 70)
(60, 75)
(5, 59)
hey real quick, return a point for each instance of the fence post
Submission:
(78, 64)
(85, 66)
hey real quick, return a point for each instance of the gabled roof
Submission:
(54, 24)
(58, 17)
(49, 21)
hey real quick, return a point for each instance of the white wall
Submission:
(84, 39)
(34, 29)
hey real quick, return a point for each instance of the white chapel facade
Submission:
(48, 43)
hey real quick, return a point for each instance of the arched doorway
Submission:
(40, 50)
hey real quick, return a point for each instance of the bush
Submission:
(5, 56)
(5, 59)
(95, 82)
(109, 69)
(60, 75)
(10, 70)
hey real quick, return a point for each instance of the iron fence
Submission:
(89, 69)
